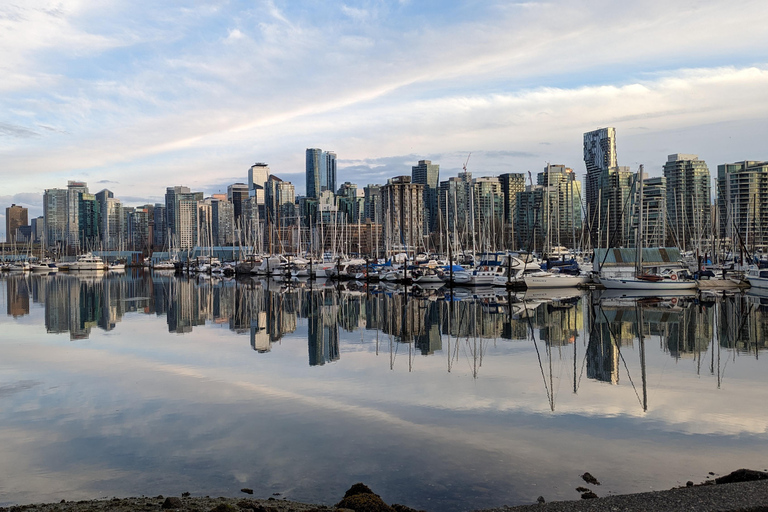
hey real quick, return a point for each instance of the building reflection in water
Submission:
(427, 322)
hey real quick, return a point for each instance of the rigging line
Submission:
(618, 347)
(538, 355)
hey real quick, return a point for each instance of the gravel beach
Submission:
(728, 495)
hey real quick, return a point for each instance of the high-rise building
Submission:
(599, 158)
(280, 197)
(488, 204)
(688, 199)
(511, 185)
(654, 213)
(372, 204)
(88, 213)
(455, 205)
(403, 208)
(181, 216)
(563, 205)
(160, 229)
(111, 232)
(428, 174)
(74, 189)
(15, 217)
(238, 194)
(742, 200)
(223, 216)
(55, 213)
(38, 229)
(320, 171)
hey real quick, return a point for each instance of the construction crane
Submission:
(467, 161)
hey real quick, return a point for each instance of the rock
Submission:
(583, 489)
(224, 507)
(159, 497)
(742, 475)
(358, 488)
(587, 477)
(246, 490)
(185, 495)
(364, 503)
(541, 500)
(689, 483)
(172, 502)
(712, 473)
(588, 496)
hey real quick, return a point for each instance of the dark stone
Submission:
(246, 490)
(711, 473)
(588, 496)
(159, 497)
(245, 504)
(590, 479)
(224, 507)
(742, 475)
(172, 502)
(275, 494)
(63, 501)
(541, 500)
(583, 489)
(358, 488)
(689, 483)
(364, 503)
(185, 495)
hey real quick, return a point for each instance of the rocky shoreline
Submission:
(741, 491)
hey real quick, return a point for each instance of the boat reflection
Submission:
(598, 328)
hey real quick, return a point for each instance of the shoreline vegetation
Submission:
(743, 490)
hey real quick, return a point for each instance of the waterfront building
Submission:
(160, 229)
(181, 216)
(223, 221)
(599, 158)
(488, 204)
(88, 214)
(742, 201)
(403, 208)
(74, 189)
(111, 231)
(654, 213)
(372, 203)
(688, 199)
(55, 214)
(455, 205)
(511, 184)
(258, 175)
(38, 229)
(428, 174)
(15, 217)
(238, 194)
(139, 229)
(530, 218)
(280, 198)
(351, 202)
(320, 171)
(563, 204)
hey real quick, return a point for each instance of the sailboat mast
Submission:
(639, 235)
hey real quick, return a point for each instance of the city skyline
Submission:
(135, 99)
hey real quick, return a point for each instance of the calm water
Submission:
(131, 384)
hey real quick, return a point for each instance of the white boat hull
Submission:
(630, 283)
(555, 280)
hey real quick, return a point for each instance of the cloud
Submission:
(17, 131)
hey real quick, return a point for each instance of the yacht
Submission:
(757, 277)
(87, 261)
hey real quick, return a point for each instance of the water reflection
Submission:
(380, 384)
(267, 311)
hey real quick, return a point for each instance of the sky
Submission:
(142, 95)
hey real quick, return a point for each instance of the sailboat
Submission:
(668, 278)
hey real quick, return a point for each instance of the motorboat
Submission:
(87, 261)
